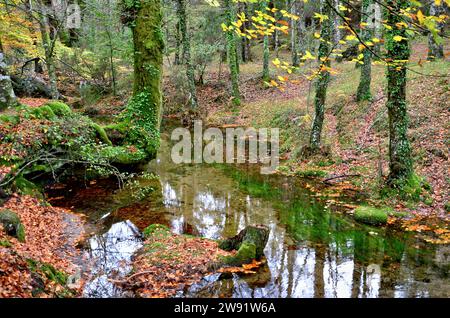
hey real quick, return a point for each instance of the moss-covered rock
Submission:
(12, 224)
(59, 108)
(249, 243)
(43, 112)
(371, 215)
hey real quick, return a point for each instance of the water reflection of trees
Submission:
(311, 252)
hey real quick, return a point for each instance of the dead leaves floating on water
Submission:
(431, 230)
(246, 269)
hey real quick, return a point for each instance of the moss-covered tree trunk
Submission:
(146, 22)
(48, 45)
(363, 92)
(397, 53)
(435, 48)
(323, 79)
(232, 53)
(7, 96)
(186, 40)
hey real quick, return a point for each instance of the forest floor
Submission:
(40, 266)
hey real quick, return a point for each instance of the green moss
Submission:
(12, 224)
(27, 187)
(155, 229)
(9, 119)
(5, 243)
(123, 155)
(311, 173)
(53, 274)
(399, 214)
(101, 134)
(43, 112)
(412, 189)
(245, 254)
(59, 108)
(371, 215)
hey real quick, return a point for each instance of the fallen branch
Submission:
(341, 177)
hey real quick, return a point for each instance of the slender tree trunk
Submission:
(322, 79)
(232, 54)
(185, 38)
(177, 44)
(293, 33)
(275, 35)
(7, 96)
(378, 28)
(337, 33)
(246, 54)
(435, 48)
(301, 28)
(48, 46)
(399, 147)
(266, 57)
(111, 62)
(266, 50)
(363, 92)
(148, 57)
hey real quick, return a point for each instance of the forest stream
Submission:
(312, 251)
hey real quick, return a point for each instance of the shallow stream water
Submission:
(311, 252)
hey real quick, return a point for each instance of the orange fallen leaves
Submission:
(47, 241)
(170, 262)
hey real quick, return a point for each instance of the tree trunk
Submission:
(185, 38)
(246, 54)
(249, 244)
(293, 33)
(7, 96)
(232, 54)
(301, 29)
(148, 55)
(48, 37)
(435, 48)
(48, 44)
(363, 92)
(399, 147)
(322, 79)
(337, 33)
(266, 50)
(378, 28)
(177, 44)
